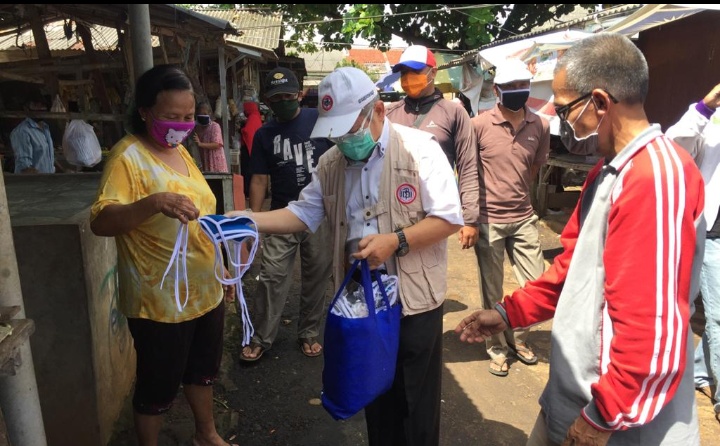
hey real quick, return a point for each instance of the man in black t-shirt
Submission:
(284, 155)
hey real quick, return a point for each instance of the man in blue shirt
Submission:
(284, 155)
(32, 143)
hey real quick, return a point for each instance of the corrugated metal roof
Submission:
(167, 17)
(258, 30)
(607, 15)
(103, 39)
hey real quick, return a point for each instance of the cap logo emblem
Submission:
(406, 193)
(278, 75)
(326, 102)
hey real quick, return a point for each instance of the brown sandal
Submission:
(524, 354)
(302, 342)
(254, 346)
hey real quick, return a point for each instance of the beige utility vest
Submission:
(422, 273)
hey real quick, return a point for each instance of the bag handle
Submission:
(366, 280)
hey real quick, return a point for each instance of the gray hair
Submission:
(608, 61)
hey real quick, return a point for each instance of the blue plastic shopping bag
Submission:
(360, 353)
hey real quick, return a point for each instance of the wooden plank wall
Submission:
(684, 62)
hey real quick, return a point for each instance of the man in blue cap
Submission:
(426, 109)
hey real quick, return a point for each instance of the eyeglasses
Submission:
(563, 110)
(282, 97)
(350, 135)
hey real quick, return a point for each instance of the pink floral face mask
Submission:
(170, 133)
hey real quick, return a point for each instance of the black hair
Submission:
(201, 104)
(154, 81)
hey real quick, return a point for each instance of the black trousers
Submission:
(409, 413)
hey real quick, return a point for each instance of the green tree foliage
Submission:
(454, 26)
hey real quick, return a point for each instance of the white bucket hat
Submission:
(511, 70)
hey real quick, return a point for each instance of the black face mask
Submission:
(514, 99)
(203, 119)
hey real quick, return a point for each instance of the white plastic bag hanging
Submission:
(80, 144)
(57, 105)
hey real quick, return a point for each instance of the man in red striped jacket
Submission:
(620, 294)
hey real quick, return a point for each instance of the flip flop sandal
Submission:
(302, 342)
(521, 348)
(253, 346)
(502, 368)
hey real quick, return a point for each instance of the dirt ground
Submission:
(275, 401)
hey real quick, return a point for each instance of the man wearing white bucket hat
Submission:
(513, 142)
(390, 197)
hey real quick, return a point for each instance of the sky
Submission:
(396, 42)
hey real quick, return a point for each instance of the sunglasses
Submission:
(563, 110)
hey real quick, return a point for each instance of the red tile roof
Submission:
(374, 56)
(393, 56)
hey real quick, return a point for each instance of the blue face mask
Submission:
(359, 145)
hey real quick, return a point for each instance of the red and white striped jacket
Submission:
(621, 295)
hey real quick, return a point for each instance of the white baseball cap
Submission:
(342, 95)
(511, 70)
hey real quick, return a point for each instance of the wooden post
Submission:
(43, 48)
(139, 25)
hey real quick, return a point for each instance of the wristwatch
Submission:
(403, 247)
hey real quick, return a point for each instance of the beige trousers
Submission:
(521, 242)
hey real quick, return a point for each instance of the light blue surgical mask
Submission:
(359, 145)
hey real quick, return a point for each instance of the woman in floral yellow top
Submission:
(151, 186)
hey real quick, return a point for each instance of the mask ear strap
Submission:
(232, 242)
(179, 259)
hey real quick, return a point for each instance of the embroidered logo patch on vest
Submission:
(406, 193)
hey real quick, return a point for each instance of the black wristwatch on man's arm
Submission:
(403, 247)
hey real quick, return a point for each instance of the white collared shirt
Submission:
(362, 180)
